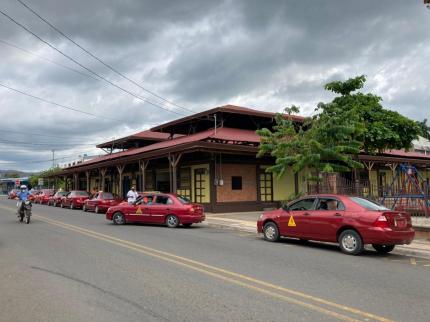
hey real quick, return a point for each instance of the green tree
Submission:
(33, 179)
(328, 146)
(383, 129)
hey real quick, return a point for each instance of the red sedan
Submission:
(101, 202)
(43, 196)
(55, 200)
(350, 221)
(74, 199)
(169, 209)
(12, 194)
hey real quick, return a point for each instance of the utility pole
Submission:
(53, 159)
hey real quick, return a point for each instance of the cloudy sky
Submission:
(196, 54)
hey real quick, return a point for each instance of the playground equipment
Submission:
(409, 191)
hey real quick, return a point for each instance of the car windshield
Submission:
(183, 200)
(368, 204)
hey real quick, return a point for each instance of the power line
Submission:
(46, 143)
(40, 161)
(86, 68)
(4, 42)
(99, 59)
(58, 104)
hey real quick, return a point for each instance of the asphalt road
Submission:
(67, 265)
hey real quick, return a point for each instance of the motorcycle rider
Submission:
(22, 197)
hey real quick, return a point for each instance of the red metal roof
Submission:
(224, 134)
(410, 154)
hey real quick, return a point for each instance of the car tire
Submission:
(71, 206)
(97, 210)
(187, 225)
(118, 218)
(84, 208)
(61, 205)
(383, 249)
(271, 232)
(350, 242)
(55, 204)
(172, 221)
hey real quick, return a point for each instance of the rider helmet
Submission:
(23, 187)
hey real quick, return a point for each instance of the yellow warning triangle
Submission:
(291, 222)
(139, 211)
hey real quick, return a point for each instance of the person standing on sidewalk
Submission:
(132, 195)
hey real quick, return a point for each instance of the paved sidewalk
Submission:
(247, 221)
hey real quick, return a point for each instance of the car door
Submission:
(294, 220)
(327, 218)
(68, 199)
(140, 212)
(162, 206)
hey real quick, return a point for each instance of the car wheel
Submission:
(383, 249)
(350, 242)
(271, 232)
(71, 206)
(55, 204)
(61, 205)
(97, 210)
(84, 208)
(118, 218)
(187, 225)
(172, 221)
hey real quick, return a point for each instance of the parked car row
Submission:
(350, 221)
(150, 207)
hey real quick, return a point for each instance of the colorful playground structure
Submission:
(409, 191)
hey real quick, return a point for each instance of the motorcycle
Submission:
(24, 212)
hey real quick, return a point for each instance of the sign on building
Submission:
(40, 182)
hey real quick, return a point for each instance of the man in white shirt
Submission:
(132, 195)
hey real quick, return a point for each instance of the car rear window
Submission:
(183, 200)
(368, 204)
(163, 200)
(107, 195)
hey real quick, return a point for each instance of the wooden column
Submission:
(75, 181)
(173, 161)
(102, 179)
(142, 166)
(87, 174)
(369, 165)
(120, 169)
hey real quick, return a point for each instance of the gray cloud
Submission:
(261, 54)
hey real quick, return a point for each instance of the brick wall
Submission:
(249, 183)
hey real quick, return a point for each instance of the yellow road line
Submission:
(205, 267)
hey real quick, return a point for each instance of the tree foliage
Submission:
(383, 129)
(328, 146)
(350, 123)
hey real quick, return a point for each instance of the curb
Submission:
(399, 250)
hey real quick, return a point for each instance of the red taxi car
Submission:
(74, 199)
(101, 202)
(55, 200)
(350, 221)
(12, 194)
(159, 208)
(43, 196)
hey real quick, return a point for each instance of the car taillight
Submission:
(381, 222)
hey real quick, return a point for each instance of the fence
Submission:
(391, 196)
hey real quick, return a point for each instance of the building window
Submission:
(236, 183)
(266, 187)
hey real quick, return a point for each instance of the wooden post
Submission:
(369, 165)
(174, 160)
(102, 180)
(142, 166)
(75, 181)
(120, 169)
(87, 174)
